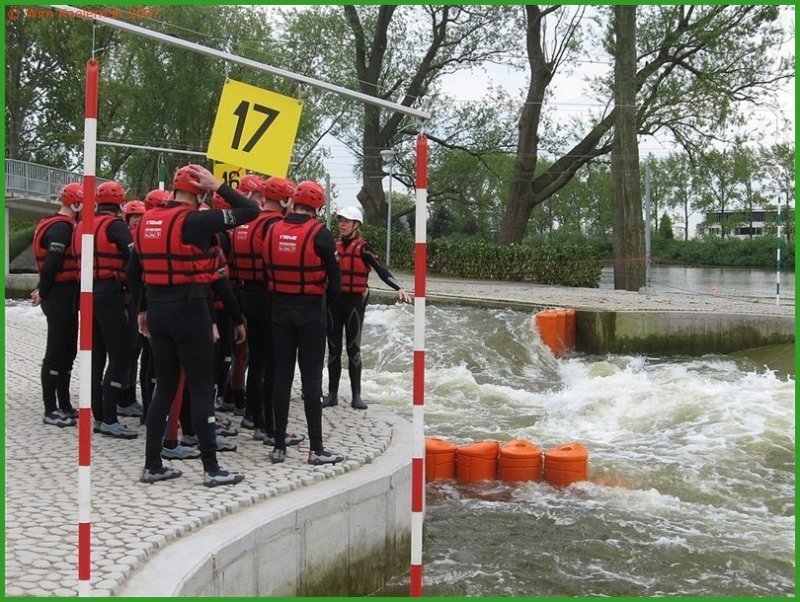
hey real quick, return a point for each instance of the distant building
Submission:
(741, 223)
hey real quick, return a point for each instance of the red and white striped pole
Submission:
(418, 418)
(87, 263)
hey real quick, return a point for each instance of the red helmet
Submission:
(278, 189)
(250, 183)
(309, 193)
(133, 208)
(72, 194)
(156, 198)
(110, 193)
(184, 180)
(218, 202)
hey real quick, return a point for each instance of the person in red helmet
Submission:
(356, 259)
(147, 378)
(176, 261)
(57, 293)
(156, 198)
(231, 395)
(303, 276)
(112, 248)
(132, 212)
(248, 266)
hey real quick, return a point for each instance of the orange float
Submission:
(566, 464)
(556, 329)
(477, 461)
(440, 459)
(569, 334)
(519, 460)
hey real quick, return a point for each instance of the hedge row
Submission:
(543, 262)
(749, 252)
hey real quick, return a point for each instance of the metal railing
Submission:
(24, 179)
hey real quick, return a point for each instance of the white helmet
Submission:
(351, 212)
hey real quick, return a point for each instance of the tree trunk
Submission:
(371, 195)
(626, 195)
(520, 199)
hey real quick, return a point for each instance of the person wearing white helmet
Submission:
(356, 259)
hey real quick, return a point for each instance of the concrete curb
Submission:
(282, 547)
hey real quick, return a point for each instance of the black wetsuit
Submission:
(180, 333)
(60, 307)
(111, 338)
(298, 331)
(347, 314)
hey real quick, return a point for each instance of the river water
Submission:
(731, 282)
(691, 489)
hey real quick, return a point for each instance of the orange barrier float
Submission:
(557, 329)
(569, 333)
(519, 460)
(476, 461)
(440, 459)
(566, 464)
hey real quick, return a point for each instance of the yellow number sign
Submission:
(255, 128)
(228, 174)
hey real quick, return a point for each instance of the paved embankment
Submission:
(131, 522)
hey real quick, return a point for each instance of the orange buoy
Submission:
(566, 464)
(519, 460)
(440, 459)
(561, 336)
(547, 324)
(476, 461)
(569, 334)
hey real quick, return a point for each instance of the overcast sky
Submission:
(572, 98)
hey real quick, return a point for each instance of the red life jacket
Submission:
(292, 265)
(108, 261)
(247, 244)
(68, 272)
(355, 271)
(166, 259)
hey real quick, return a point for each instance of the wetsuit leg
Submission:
(285, 341)
(334, 337)
(254, 309)
(311, 327)
(353, 326)
(110, 320)
(62, 340)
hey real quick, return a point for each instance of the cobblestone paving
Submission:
(130, 520)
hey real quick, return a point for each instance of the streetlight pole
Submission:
(388, 158)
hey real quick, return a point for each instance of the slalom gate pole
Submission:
(778, 259)
(85, 334)
(418, 422)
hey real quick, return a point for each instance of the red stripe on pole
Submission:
(85, 437)
(420, 259)
(416, 580)
(92, 79)
(422, 161)
(419, 378)
(417, 484)
(86, 321)
(84, 556)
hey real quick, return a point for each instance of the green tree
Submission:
(719, 193)
(665, 227)
(698, 67)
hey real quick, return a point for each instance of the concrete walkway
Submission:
(525, 295)
(131, 522)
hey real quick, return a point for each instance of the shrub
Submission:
(541, 260)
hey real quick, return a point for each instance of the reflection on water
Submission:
(691, 461)
(733, 282)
